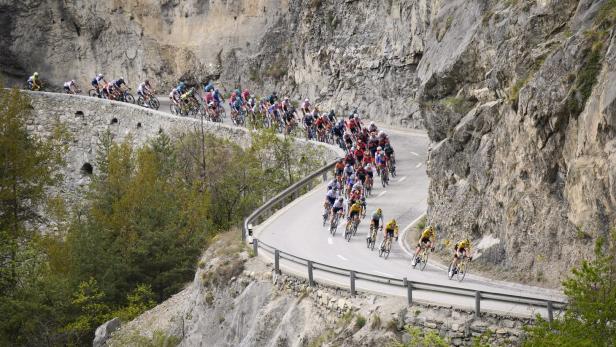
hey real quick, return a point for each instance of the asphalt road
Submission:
(298, 230)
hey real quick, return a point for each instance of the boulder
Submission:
(103, 332)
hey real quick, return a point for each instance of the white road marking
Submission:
(382, 193)
(402, 179)
(330, 240)
(341, 257)
(419, 165)
(415, 154)
(383, 273)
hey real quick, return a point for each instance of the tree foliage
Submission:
(135, 237)
(590, 318)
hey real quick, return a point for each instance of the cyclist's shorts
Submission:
(331, 200)
(459, 252)
(67, 89)
(94, 83)
(354, 213)
(337, 209)
(424, 240)
(390, 232)
(140, 93)
(376, 222)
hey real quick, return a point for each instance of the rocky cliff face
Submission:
(519, 102)
(344, 53)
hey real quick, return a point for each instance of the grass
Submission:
(360, 321)
(320, 340)
(458, 105)
(209, 297)
(422, 223)
(418, 338)
(158, 339)
(376, 322)
(392, 325)
(514, 93)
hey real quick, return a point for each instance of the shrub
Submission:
(360, 321)
(376, 322)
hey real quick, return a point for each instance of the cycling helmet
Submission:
(273, 93)
(467, 241)
(100, 75)
(340, 198)
(35, 74)
(351, 116)
(371, 123)
(72, 81)
(379, 211)
(379, 148)
(394, 221)
(121, 79)
(306, 100)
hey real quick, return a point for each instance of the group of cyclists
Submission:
(369, 153)
(117, 89)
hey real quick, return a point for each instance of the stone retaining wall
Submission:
(88, 118)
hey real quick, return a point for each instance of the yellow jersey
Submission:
(356, 208)
(428, 233)
(392, 226)
(463, 245)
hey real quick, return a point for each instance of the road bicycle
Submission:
(351, 228)
(334, 223)
(460, 270)
(385, 247)
(384, 176)
(326, 212)
(421, 259)
(371, 240)
(150, 102)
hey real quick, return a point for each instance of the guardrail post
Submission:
(325, 176)
(310, 280)
(477, 304)
(352, 283)
(409, 290)
(255, 246)
(550, 312)
(277, 261)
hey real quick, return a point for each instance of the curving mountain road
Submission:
(298, 230)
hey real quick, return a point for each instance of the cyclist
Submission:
(145, 90)
(355, 210)
(208, 87)
(330, 196)
(174, 96)
(70, 87)
(115, 87)
(377, 218)
(34, 83)
(390, 230)
(306, 106)
(98, 82)
(428, 239)
(380, 159)
(460, 250)
(339, 169)
(372, 128)
(272, 98)
(338, 207)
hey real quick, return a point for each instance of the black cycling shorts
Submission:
(353, 214)
(390, 232)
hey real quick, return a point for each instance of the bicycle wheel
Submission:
(461, 271)
(383, 180)
(172, 108)
(334, 226)
(128, 97)
(140, 101)
(93, 93)
(387, 249)
(154, 102)
(423, 260)
(325, 216)
(348, 232)
(450, 271)
(381, 249)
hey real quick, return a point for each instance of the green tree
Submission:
(591, 314)
(93, 311)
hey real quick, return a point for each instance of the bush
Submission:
(376, 322)
(589, 318)
(360, 321)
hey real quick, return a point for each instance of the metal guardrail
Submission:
(281, 199)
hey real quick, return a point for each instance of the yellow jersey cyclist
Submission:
(428, 239)
(355, 210)
(460, 250)
(391, 229)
